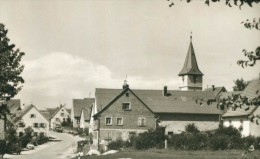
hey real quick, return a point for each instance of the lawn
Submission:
(173, 154)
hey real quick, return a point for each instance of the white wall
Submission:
(236, 122)
(60, 117)
(28, 121)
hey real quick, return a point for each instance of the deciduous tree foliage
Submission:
(10, 70)
(240, 85)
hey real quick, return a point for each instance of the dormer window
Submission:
(126, 106)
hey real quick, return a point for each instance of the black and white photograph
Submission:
(129, 79)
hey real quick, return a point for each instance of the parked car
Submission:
(58, 128)
(30, 146)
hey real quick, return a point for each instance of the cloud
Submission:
(59, 77)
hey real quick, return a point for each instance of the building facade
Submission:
(30, 116)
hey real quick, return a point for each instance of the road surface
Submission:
(62, 149)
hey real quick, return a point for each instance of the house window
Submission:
(35, 125)
(20, 134)
(57, 119)
(109, 135)
(21, 124)
(42, 125)
(61, 114)
(78, 121)
(108, 121)
(119, 135)
(126, 106)
(42, 134)
(119, 121)
(141, 121)
(132, 134)
(170, 134)
(35, 134)
(33, 116)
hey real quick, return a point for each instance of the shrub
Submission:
(218, 142)
(150, 139)
(191, 128)
(188, 141)
(229, 131)
(27, 137)
(41, 139)
(118, 145)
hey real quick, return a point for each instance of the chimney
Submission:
(165, 92)
(213, 87)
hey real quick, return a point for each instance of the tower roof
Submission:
(190, 66)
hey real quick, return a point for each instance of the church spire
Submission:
(190, 65)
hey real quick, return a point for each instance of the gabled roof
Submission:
(14, 105)
(239, 112)
(216, 90)
(251, 91)
(45, 113)
(190, 66)
(176, 102)
(85, 105)
(120, 95)
(21, 113)
(225, 95)
(53, 111)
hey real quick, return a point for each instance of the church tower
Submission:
(190, 75)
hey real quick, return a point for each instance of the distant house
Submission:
(216, 90)
(81, 112)
(14, 105)
(58, 115)
(240, 118)
(30, 116)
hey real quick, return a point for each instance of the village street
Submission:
(51, 150)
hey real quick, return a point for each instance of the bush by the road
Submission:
(222, 138)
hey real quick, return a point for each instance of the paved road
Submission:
(53, 150)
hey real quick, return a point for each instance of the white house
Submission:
(81, 112)
(59, 115)
(241, 118)
(30, 116)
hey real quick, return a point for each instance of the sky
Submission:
(72, 47)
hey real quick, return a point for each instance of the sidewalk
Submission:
(27, 152)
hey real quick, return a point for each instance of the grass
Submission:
(174, 154)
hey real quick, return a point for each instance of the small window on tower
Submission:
(195, 78)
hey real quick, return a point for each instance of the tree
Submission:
(229, 3)
(240, 85)
(10, 70)
(191, 128)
